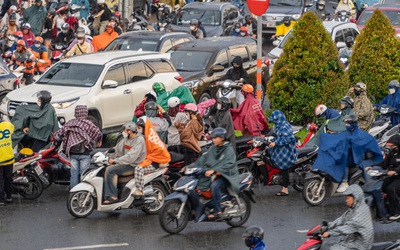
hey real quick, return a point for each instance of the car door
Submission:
(117, 102)
(220, 59)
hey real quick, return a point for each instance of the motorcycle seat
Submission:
(125, 179)
(302, 152)
(385, 245)
(175, 157)
(243, 139)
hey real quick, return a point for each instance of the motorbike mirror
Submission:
(276, 42)
(353, 20)
(109, 84)
(340, 45)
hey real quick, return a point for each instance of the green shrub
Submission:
(307, 73)
(376, 57)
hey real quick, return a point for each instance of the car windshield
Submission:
(132, 43)
(285, 2)
(394, 16)
(207, 17)
(285, 39)
(190, 60)
(72, 74)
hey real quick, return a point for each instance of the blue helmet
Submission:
(219, 132)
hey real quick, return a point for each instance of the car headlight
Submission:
(191, 84)
(5, 101)
(65, 104)
(297, 16)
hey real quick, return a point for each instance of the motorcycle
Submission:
(57, 52)
(342, 16)
(277, 40)
(88, 194)
(179, 208)
(344, 59)
(382, 122)
(138, 22)
(264, 170)
(315, 241)
(389, 133)
(230, 89)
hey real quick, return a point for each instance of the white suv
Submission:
(111, 84)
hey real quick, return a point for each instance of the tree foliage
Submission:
(307, 73)
(376, 57)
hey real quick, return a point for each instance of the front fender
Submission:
(244, 161)
(313, 175)
(177, 195)
(83, 186)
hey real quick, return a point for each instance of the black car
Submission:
(7, 80)
(215, 17)
(148, 40)
(199, 62)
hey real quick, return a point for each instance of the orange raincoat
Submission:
(101, 41)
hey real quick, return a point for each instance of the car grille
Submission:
(272, 18)
(12, 105)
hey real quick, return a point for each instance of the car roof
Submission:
(155, 35)
(102, 58)
(331, 25)
(207, 5)
(384, 7)
(215, 43)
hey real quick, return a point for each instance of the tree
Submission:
(376, 57)
(308, 72)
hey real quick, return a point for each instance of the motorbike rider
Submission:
(392, 100)
(23, 56)
(167, 16)
(238, 73)
(282, 149)
(35, 15)
(104, 15)
(27, 35)
(6, 161)
(236, 29)
(80, 30)
(253, 238)
(12, 11)
(157, 155)
(182, 92)
(347, 51)
(49, 26)
(116, 22)
(362, 106)
(194, 29)
(8, 33)
(41, 54)
(101, 41)
(139, 111)
(322, 111)
(35, 122)
(83, 6)
(251, 25)
(243, 31)
(129, 153)
(283, 27)
(81, 47)
(223, 119)
(353, 230)
(174, 112)
(321, 11)
(66, 35)
(346, 5)
(220, 161)
(159, 124)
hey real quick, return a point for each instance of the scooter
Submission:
(88, 194)
(389, 133)
(180, 207)
(230, 89)
(315, 241)
(382, 122)
(342, 16)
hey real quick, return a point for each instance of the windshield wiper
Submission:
(286, 4)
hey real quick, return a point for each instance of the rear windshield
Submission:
(394, 16)
(190, 60)
(130, 43)
(207, 17)
(72, 74)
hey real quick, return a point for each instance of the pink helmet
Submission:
(191, 107)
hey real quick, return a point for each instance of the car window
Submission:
(179, 40)
(188, 60)
(285, 3)
(354, 32)
(339, 36)
(222, 59)
(132, 43)
(166, 45)
(207, 17)
(393, 15)
(347, 32)
(232, 13)
(138, 71)
(3, 71)
(161, 66)
(242, 52)
(116, 73)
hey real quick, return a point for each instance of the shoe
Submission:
(342, 187)
(384, 221)
(2, 204)
(138, 193)
(281, 194)
(394, 217)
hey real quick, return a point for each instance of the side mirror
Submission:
(340, 45)
(276, 42)
(110, 84)
(217, 68)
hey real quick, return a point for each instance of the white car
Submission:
(338, 31)
(111, 84)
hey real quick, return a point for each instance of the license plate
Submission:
(271, 24)
(38, 170)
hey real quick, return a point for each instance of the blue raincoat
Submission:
(284, 154)
(392, 100)
(330, 113)
(334, 149)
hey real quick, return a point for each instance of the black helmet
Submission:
(44, 96)
(219, 132)
(114, 18)
(248, 18)
(225, 103)
(253, 231)
(348, 101)
(349, 41)
(350, 119)
(13, 17)
(150, 106)
(393, 84)
(194, 22)
(140, 123)
(166, 9)
(238, 25)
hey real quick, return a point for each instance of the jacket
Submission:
(29, 38)
(364, 111)
(198, 33)
(80, 49)
(224, 120)
(221, 159)
(282, 29)
(235, 74)
(191, 134)
(35, 16)
(156, 150)
(101, 41)
(6, 149)
(354, 227)
(159, 124)
(130, 151)
(84, 13)
(392, 100)
(284, 153)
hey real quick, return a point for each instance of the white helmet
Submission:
(319, 110)
(100, 1)
(173, 102)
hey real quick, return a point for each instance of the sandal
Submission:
(282, 194)
(110, 200)
(214, 216)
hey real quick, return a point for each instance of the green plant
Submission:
(307, 73)
(376, 57)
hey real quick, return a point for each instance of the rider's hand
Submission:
(391, 173)
(273, 37)
(111, 160)
(325, 235)
(351, 90)
(208, 173)
(374, 108)
(272, 144)
(98, 144)
(26, 130)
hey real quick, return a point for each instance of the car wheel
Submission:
(94, 120)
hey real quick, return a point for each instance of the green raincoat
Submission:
(35, 16)
(182, 92)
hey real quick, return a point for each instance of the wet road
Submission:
(46, 224)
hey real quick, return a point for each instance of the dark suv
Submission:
(199, 62)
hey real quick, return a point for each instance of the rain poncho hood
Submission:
(284, 153)
(334, 150)
(354, 228)
(182, 92)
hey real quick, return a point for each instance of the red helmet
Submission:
(18, 33)
(117, 14)
(248, 88)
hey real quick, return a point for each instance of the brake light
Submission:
(17, 81)
(179, 78)
(353, 20)
(267, 61)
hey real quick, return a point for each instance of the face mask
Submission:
(219, 106)
(242, 34)
(248, 242)
(320, 7)
(124, 134)
(191, 27)
(38, 103)
(64, 31)
(344, 2)
(140, 130)
(237, 30)
(392, 91)
(37, 45)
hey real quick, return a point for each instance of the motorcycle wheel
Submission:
(35, 188)
(239, 221)
(75, 207)
(49, 176)
(309, 192)
(298, 187)
(160, 194)
(243, 169)
(168, 220)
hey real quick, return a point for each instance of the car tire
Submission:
(94, 120)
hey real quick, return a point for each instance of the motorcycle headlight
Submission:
(257, 143)
(191, 84)
(296, 17)
(64, 105)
